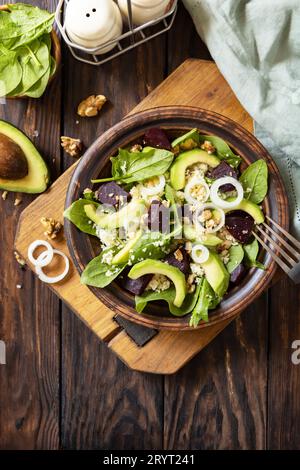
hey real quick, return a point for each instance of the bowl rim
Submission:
(145, 119)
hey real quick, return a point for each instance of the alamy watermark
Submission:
(296, 354)
(2, 352)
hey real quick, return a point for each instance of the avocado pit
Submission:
(13, 162)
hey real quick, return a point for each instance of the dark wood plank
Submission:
(29, 405)
(284, 376)
(218, 401)
(104, 404)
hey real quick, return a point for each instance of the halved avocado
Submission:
(150, 266)
(206, 239)
(123, 255)
(186, 159)
(116, 219)
(251, 208)
(22, 168)
(216, 274)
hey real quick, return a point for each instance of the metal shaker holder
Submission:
(131, 38)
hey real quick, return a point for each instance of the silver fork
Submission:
(291, 256)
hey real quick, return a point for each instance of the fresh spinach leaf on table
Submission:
(168, 296)
(76, 214)
(251, 252)
(22, 24)
(236, 255)
(206, 300)
(129, 167)
(98, 273)
(255, 181)
(223, 151)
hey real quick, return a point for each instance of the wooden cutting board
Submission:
(197, 83)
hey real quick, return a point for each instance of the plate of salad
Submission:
(160, 215)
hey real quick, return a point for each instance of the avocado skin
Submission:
(216, 274)
(186, 159)
(37, 178)
(150, 266)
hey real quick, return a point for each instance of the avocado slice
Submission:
(116, 219)
(216, 274)
(251, 208)
(186, 159)
(123, 255)
(150, 266)
(22, 168)
(208, 239)
(193, 135)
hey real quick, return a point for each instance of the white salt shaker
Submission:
(145, 10)
(91, 23)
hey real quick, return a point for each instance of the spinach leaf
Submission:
(193, 134)
(255, 181)
(223, 150)
(129, 167)
(206, 299)
(251, 252)
(22, 24)
(37, 90)
(10, 71)
(154, 245)
(236, 255)
(98, 273)
(169, 296)
(76, 214)
(35, 61)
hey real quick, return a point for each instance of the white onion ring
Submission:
(216, 199)
(153, 190)
(40, 260)
(53, 279)
(203, 256)
(187, 190)
(199, 225)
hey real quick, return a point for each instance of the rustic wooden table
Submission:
(62, 388)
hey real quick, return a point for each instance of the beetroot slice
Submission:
(223, 169)
(182, 264)
(109, 193)
(239, 227)
(158, 217)
(238, 274)
(136, 286)
(156, 137)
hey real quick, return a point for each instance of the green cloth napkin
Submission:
(256, 45)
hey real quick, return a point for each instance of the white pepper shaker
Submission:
(145, 10)
(91, 23)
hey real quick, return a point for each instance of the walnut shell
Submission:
(13, 162)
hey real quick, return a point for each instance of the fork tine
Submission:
(283, 241)
(276, 258)
(287, 234)
(281, 251)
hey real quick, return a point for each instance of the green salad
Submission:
(174, 221)
(26, 63)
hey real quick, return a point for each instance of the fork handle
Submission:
(294, 273)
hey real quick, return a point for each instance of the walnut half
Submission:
(72, 146)
(91, 105)
(52, 226)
